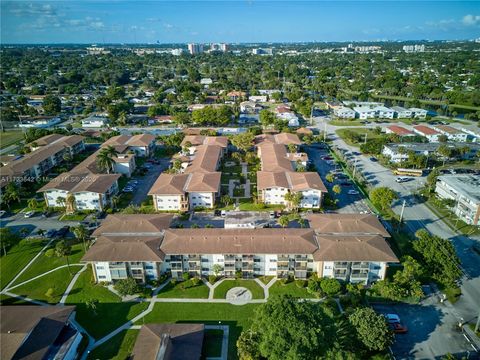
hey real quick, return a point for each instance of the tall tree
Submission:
(62, 249)
(81, 234)
(371, 329)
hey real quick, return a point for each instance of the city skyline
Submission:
(40, 22)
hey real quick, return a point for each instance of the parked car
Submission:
(46, 214)
(392, 318)
(217, 213)
(353, 192)
(402, 179)
(128, 189)
(346, 183)
(374, 159)
(398, 328)
(272, 215)
(63, 231)
(223, 213)
(29, 214)
(327, 158)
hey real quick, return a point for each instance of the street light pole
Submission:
(403, 209)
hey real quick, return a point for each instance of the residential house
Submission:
(197, 140)
(284, 113)
(250, 107)
(258, 98)
(95, 121)
(143, 144)
(465, 191)
(383, 112)
(473, 135)
(40, 122)
(431, 134)
(38, 332)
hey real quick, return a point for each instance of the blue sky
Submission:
(235, 21)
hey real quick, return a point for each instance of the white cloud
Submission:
(471, 20)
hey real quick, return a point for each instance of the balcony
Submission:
(194, 258)
(247, 266)
(301, 258)
(176, 258)
(229, 258)
(193, 266)
(177, 267)
(229, 267)
(300, 267)
(283, 258)
(282, 268)
(340, 265)
(247, 258)
(360, 265)
(362, 275)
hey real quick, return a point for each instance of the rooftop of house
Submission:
(466, 185)
(426, 130)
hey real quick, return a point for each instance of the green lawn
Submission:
(178, 291)
(57, 280)
(213, 343)
(110, 312)
(345, 123)
(8, 300)
(8, 138)
(359, 131)
(44, 263)
(237, 317)
(117, 348)
(222, 289)
(17, 257)
(290, 288)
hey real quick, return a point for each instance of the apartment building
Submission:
(418, 113)
(383, 112)
(465, 190)
(143, 145)
(281, 138)
(451, 133)
(193, 141)
(90, 191)
(47, 152)
(350, 247)
(402, 113)
(399, 152)
(431, 134)
(399, 130)
(365, 113)
(344, 112)
(198, 186)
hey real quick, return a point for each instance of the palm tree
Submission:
(283, 221)
(337, 189)
(115, 199)
(62, 249)
(105, 161)
(81, 234)
(60, 202)
(40, 232)
(32, 204)
(70, 203)
(12, 192)
(293, 199)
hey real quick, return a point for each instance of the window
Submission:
(102, 277)
(273, 260)
(149, 267)
(100, 267)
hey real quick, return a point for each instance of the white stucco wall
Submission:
(201, 200)
(167, 202)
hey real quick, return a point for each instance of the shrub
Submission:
(174, 282)
(212, 279)
(301, 283)
(313, 285)
(238, 274)
(330, 286)
(186, 276)
(195, 281)
(50, 253)
(286, 280)
(49, 293)
(126, 286)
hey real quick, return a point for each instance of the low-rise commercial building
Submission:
(465, 191)
(399, 152)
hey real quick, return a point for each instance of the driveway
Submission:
(146, 182)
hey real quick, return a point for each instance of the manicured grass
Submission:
(44, 263)
(290, 288)
(17, 257)
(110, 312)
(73, 217)
(213, 343)
(57, 280)
(8, 138)
(119, 347)
(359, 131)
(345, 123)
(222, 289)
(265, 279)
(178, 290)
(238, 318)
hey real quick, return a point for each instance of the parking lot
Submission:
(433, 331)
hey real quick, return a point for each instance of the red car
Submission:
(398, 328)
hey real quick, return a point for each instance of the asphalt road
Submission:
(418, 216)
(140, 193)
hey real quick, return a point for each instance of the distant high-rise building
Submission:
(194, 49)
(414, 48)
(219, 47)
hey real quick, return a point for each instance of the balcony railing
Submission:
(300, 267)
(194, 258)
(359, 276)
(360, 265)
(229, 257)
(301, 258)
(338, 265)
(283, 258)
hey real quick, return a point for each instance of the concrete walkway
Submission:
(24, 298)
(70, 286)
(41, 275)
(226, 330)
(27, 266)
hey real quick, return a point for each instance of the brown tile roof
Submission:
(135, 223)
(204, 182)
(304, 131)
(82, 182)
(300, 181)
(269, 179)
(347, 224)
(303, 157)
(448, 129)
(130, 140)
(353, 248)
(28, 332)
(239, 241)
(175, 341)
(196, 140)
(125, 248)
(426, 130)
(205, 160)
(273, 157)
(399, 130)
(281, 138)
(47, 139)
(169, 184)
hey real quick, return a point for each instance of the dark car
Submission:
(217, 213)
(46, 214)
(373, 159)
(51, 233)
(63, 231)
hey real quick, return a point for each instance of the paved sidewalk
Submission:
(41, 275)
(36, 302)
(70, 286)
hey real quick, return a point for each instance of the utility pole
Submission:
(401, 213)
(365, 138)
(311, 115)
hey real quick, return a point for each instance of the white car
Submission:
(353, 192)
(392, 318)
(401, 179)
(223, 213)
(29, 214)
